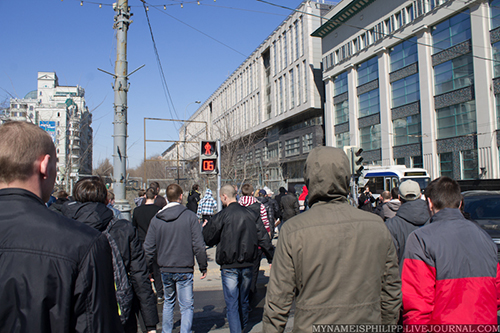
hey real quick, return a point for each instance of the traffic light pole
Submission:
(219, 204)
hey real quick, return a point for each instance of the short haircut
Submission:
(229, 191)
(61, 194)
(195, 187)
(155, 185)
(90, 189)
(110, 195)
(150, 193)
(386, 195)
(247, 189)
(21, 145)
(395, 192)
(174, 192)
(444, 192)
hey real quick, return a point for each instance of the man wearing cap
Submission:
(412, 214)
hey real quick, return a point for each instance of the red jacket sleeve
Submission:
(418, 283)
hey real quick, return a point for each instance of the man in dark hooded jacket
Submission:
(90, 208)
(411, 215)
(289, 206)
(174, 238)
(337, 262)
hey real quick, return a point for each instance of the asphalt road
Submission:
(209, 305)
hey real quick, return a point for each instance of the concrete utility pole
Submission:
(122, 21)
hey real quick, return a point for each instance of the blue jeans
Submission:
(236, 285)
(182, 285)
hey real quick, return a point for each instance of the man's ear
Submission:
(43, 167)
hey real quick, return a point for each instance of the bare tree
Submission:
(104, 169)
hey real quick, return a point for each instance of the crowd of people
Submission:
(78, 266)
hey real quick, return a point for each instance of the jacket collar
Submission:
(20, 192)
(447, 214)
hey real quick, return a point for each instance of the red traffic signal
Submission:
(208, 148)
(208, 157)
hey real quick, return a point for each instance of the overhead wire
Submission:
(404, 38)
(166, 91)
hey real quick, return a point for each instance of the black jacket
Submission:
(175, 236)
(98, 216)
(238, 232)
(271, 209)
(289, 206)
(142, 218)
(56, 273)
(192, 202)
(410, 216)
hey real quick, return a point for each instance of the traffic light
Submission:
(208, 157)
(357, 160)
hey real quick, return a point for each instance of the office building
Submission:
(415, 83)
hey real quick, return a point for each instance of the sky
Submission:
(199, 46)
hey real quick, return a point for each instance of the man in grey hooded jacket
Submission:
(338, 262)
(174, 235)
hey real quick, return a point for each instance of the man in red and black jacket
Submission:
(450, 269)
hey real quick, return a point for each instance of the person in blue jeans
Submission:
(238, 232)
(174, 235)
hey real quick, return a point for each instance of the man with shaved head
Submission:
(238, 232)
(56, 274)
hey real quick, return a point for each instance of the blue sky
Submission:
(75, 40)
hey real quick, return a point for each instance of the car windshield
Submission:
(483, 208)
(422, 182)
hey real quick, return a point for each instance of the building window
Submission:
(496, 58)
(341, 112)
(405, 91)
(407, 130)
(292, 146)
(342, 140)
(446, 164)
(285, 48)
(497, 103)
(307, 142)
(417, 162)
(495, 14)
(299, 85)
(305, 81)
(454, 74)
(265, 153)
(292, 89)
(369, 103)
(296, 25)
(451, 32)
(368, 71)
(404, 54)
(273, 151)
(370, 137)
(456, 120)
(281, 95)
(399, 161)
(340, 84)
(468, 164)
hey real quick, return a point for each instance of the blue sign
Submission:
(49, 127)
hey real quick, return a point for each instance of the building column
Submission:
(329, 113)
(484, 93)
(352, 82)
(384, 88)
(427, 111)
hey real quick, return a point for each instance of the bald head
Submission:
(229, 191)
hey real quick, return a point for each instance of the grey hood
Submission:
(327, 175)
(171, 212)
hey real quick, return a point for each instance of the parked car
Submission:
(484, 208)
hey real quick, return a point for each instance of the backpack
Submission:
(123, 288)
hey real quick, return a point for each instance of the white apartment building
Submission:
(415, 82)
(62, 112)
(269, 111)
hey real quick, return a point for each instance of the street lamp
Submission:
(185, 136)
